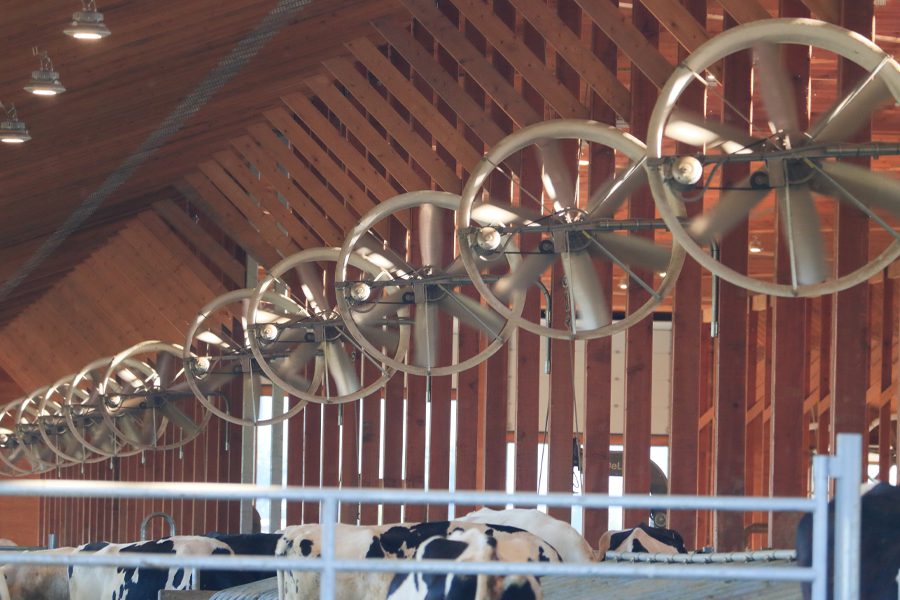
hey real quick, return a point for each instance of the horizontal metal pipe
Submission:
(250, 563)
(234, 491)
(703, 558)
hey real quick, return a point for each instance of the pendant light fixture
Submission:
(87, 24)
(12, 130)
(45, 81)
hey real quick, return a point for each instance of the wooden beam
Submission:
(646, 57)
(675, 17)
(826, 10)
(338, 145)
(203, 241)
(359, 126)
(575, 52)
(418, 105)
(446, 86)
(523, 60)
(745, 11)
(304, 227)
(397, 127)
(239, 198)
(204, 195)
(318, 206)
(473, 61)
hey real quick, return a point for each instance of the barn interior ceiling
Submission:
(349, 104)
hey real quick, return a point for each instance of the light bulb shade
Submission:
(13, 132)
(45, 83)
(87, 25)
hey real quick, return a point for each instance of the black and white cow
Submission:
(389, 542)
(879, 547)
(461, 546)
(655, 540)
(249, 544)
(129, 583)
(572, 547)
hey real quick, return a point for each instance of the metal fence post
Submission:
(820, 528)
(847, 518)
(327, 583)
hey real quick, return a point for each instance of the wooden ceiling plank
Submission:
(827, 10)
(577, 53)
(324, 211)
(171, 244)
(419, 106)
(33, 361)
(204, 195)
(25, 373)
(239, 198)
(338, 145)
(362, 129)
(745, 11)
(318, 158)
(203, 241)
(532, 69)
(60, 348)
(398, 128)
(89, 317)
(473, 61)
(57, 320)
(265, 189)
(447, 87)
(644, 55)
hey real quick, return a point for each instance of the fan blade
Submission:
(524, 275)
(693, 129)
(431, 246)
(70, 446)
(207, 385)
(101, 436)
(733, 207)
(375, 252)
(376, 312)
(13, 454)
(177, 417)
(425, 339)
(297, 360)
(633, 250)
(496, 212)
(876, 191)
(776, 89)
(388, 339)
(557, 180)
(805, 231)
(135, 431)
(311, 284)
(608, 197)
(586, 292)
(470, 311)
(97, 381)
(341, 368)
(165, 368)
(852, 112)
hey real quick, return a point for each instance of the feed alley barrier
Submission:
(844, 468)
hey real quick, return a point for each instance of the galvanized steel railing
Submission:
(844, 468)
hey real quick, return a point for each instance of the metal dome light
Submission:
(12, 130)
(87, 24)
(45, 81)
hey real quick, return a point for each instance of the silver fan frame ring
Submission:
(383, 210)
(122, 359)
(217, 303)
(810, 32)
(591, 131)
(283, 266)
(42, 408)
(36, 400)
(4, 411)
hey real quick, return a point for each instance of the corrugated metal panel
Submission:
(266, 589)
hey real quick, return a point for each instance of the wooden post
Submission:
(885, 427)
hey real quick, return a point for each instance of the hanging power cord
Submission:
(215, 79)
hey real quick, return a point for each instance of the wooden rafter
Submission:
(745, 11)
(827, 10)
(396, 126)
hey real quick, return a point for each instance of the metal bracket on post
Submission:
(846, 469)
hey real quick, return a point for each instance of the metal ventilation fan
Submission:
(311, 355)
(217, 347)
(13, 458)
(84, 414)
(806, 173)
(585, 237)
(421, 290)
(148, 402)
(54, 428)
(39, 455)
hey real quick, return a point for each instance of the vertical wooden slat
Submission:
(885, 428)
(850, 350)
(350, 423)
(732, 340)
(370, 423)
